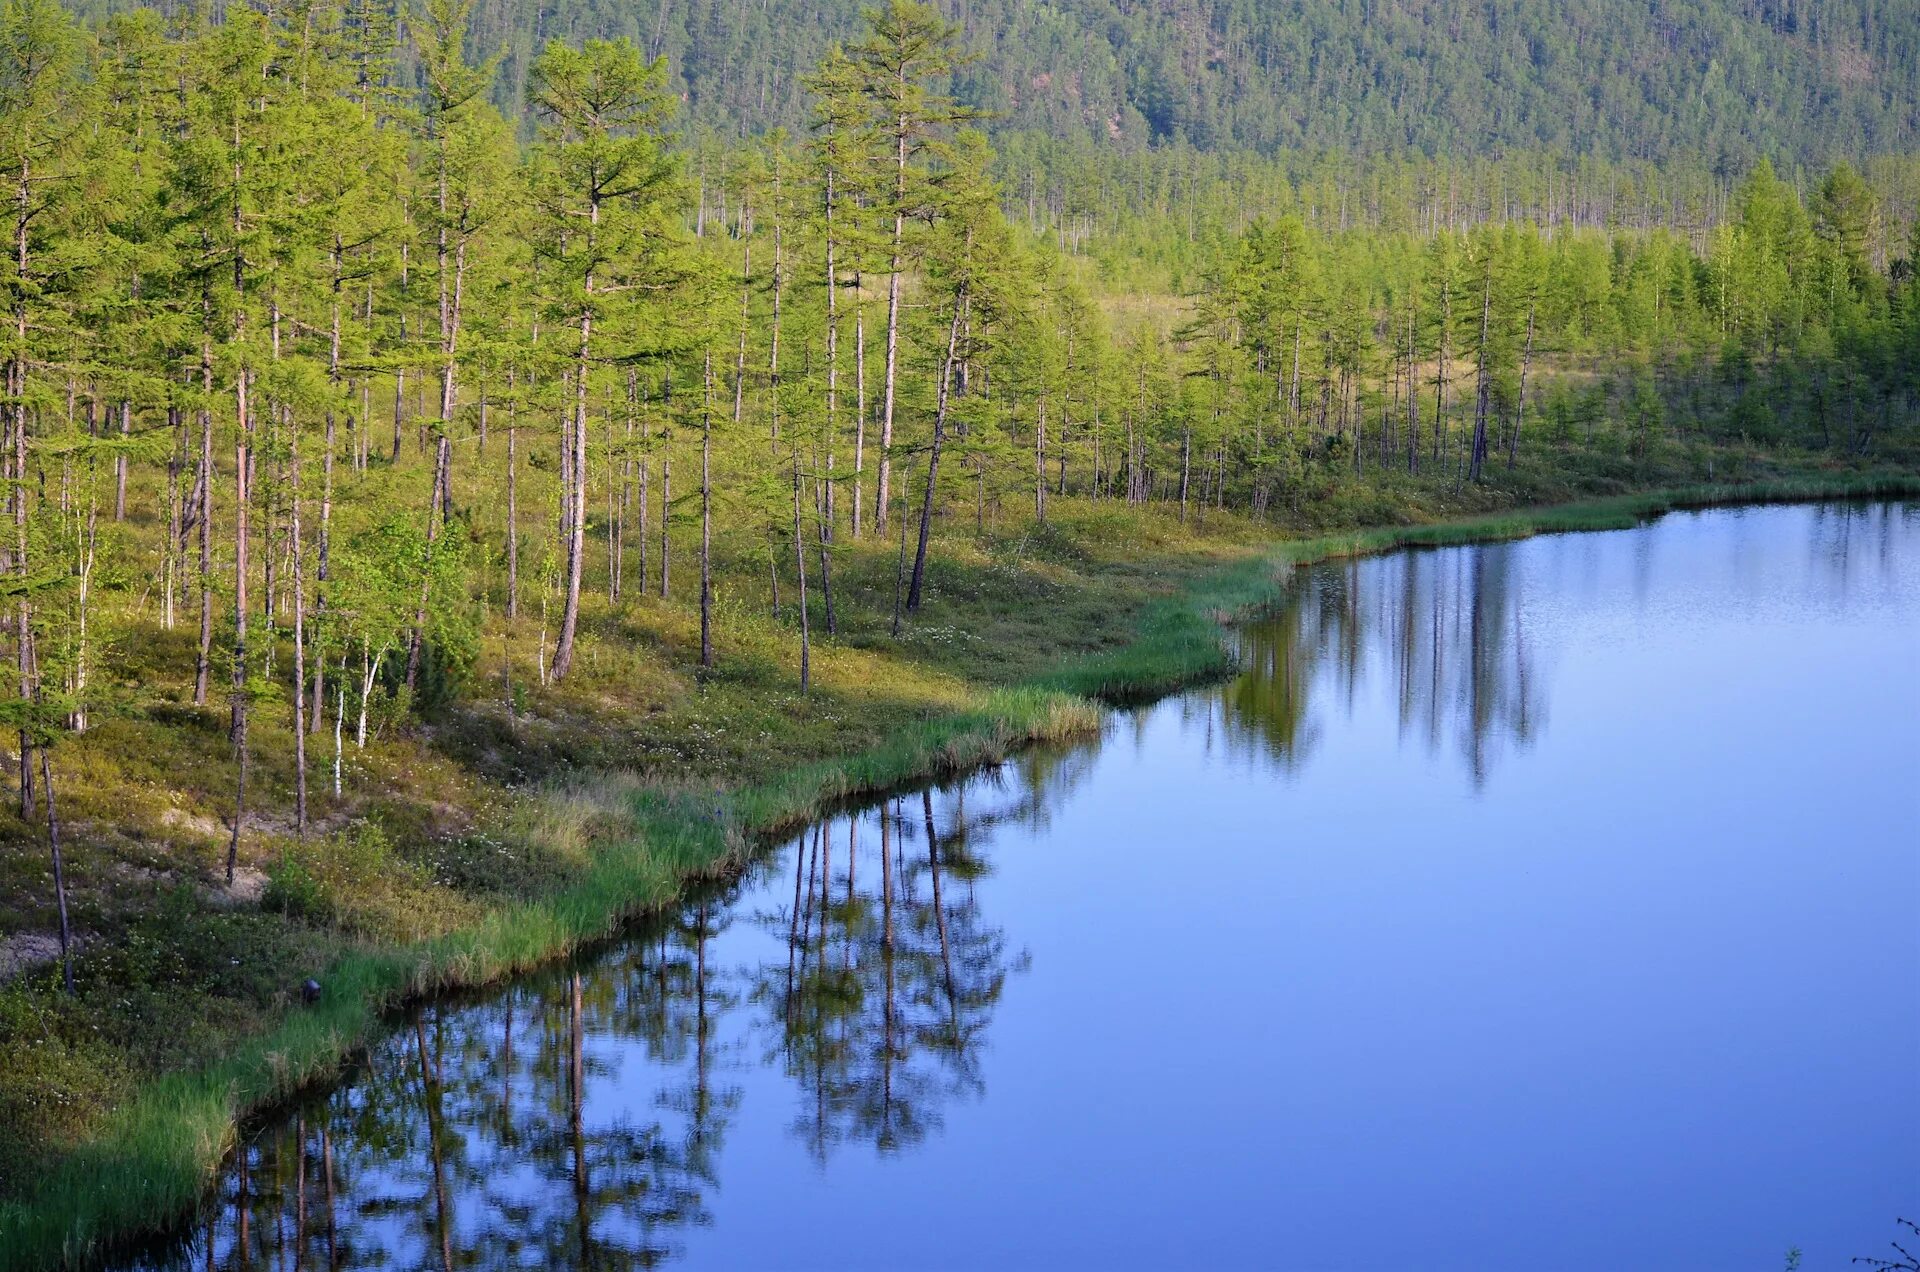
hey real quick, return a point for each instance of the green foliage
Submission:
(1699, 77)
(296, 287)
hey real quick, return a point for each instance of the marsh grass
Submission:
(594, 848)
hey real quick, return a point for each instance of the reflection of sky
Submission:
(1464, 648)
(1648, 997)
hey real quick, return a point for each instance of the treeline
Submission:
(334, 376)
(1145, 216)
(1712, 82)
(1403, 350)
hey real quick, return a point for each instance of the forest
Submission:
(394, 433)
(1707, 82)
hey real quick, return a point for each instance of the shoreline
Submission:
(150, 1166)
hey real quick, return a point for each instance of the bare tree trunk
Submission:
(1520, 406)
(59, 870)
(242, 497)
(706, 514)
(203, 665)
(823, 496)
(1186, 468)
(1293, 392)
(900, 566)
(120, 464)
(773, 337)
(894, 265)
(1040, 461)
(823, 486)
(1413, 400)
(1440, 378)
(513, 503)
(859, 402)
(616, 509)
(933, 455)
(175, 520)
(1483, 375)
(577, 502)
(324, 569)
(800, 562)
(746, 299)
(299, 648)
(17, 493)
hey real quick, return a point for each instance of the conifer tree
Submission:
(602, 205)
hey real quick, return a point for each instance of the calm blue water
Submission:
(1539, 905)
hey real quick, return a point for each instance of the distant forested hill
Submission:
(1718, 81)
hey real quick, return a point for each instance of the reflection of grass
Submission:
(437, 876)
(1176, 640)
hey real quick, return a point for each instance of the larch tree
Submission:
(470, 159)
(971, 255)
(603, 207)
(908, 52)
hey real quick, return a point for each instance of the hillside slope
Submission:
(1714, 80)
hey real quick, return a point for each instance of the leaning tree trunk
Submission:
(1520, 405)
(933, 456)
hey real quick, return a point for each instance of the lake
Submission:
(1549, 904)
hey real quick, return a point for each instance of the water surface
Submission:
(1549, 904)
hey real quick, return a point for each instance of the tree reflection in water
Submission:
(834, 1003)
(1447, 630)
(579, 1117)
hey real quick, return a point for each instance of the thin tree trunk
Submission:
(746, 298)
(1484, 385)
(1413, 399)
(513, 502)
(666, 519)
(59, 870)
(1440, 378)
(120, 464)
(933, 455)
(299, 648)
(242, 497)
(706, 513)
(800, 562)
(1520, 406)
(324, 546)
(859, 402)
(202, 671)
(1040, 461)
(577, 503)
(885, 484)
(1186, 469)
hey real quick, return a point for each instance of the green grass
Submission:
(1057, 623)
(151, 1161)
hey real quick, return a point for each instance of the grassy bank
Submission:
(1177, 640)
(1053, 624)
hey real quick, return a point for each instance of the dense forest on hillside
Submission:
(1712, 82)
(378, 459)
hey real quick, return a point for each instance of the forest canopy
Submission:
(1717, 83)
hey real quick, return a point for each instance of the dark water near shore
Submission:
(1552, 904)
